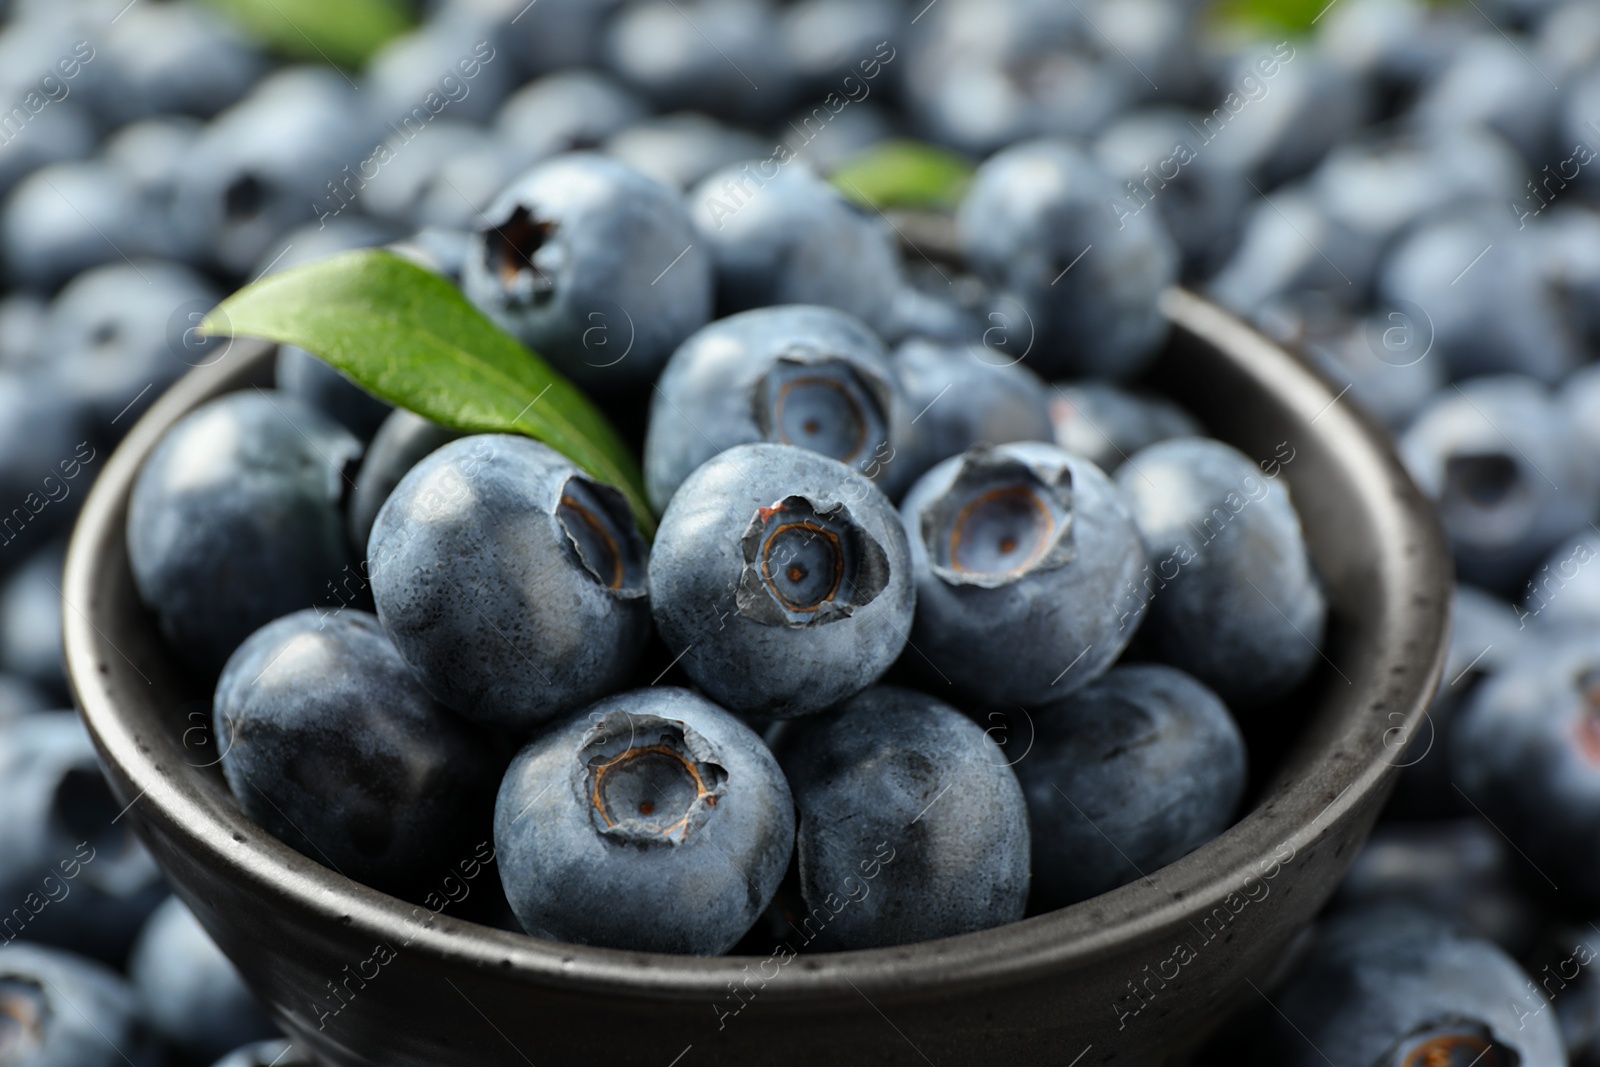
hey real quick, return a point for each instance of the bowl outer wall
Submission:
(1104, 980)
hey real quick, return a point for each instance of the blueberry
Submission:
(114, 336)
(592, 265)
(1460, 870)
(1106, 423)
(912, 826)
(1396, 987)
(555, 34)
(21, 317)
(1294, 245)
(236, 519)
(511, 583)
(171, 58)
(779, 234)
(1525, 750)
(827, 40)
(1381, 357)
(1496, 455)
(682, 148)
(329, 743)
(781, 580)
(20, 697)
(441, 175)
(572, 110)
(1134, 770)
(807, 376)
(1022, 555)
(189, 990)
(30, 622)
(917, 314)
(273, 1053)
(1489, 82)
(321, 386)
(447, 65)
(720, 56)
(61, 1010)
(151, 154)
(1233, 598)
(1569, 261)
(68, 217)
(1033, 210)
(655, 822)
(963, 395)
(1565, 589)
(78, 878)
(401, 442)
(825, 141)
(45, 448)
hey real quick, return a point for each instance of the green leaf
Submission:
(409, 336)
(343, 32)
(904, 174)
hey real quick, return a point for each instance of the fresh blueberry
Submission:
(720, 56)
(1460, 870)
(330, 744)
(61, 1010)
(779, 234)
(19, 697)
(45, 451)
(114, 337)
(1393, 986)
(569, 111)
(1232, 595)
(1024, 556)
(274, 1053)
(680, 149)
(319, 240)
(807, 376)
(1106, 423)
(61, 129)
(964, 395)
(1399, 46)
(236, 519)
(656, 822)
(1565, 589)
(68, 217)
(171, 58)
(1525, 750)
(1132, 771)
(1036, 225)
(828, 40)
(912, 825)
(511, 583)
(1381, 357)
(1292, 245)
(30, 621)
(21, 317)
(151, 154)
(78, 878)
(189, 991)
(553, 35)
(321, 386)
(441, 175)
(592, 265)
(448, 65)
(401, 442)
(1490, 82)
(825, 141)
(919, 312)
(781, 580)
(1497, 456)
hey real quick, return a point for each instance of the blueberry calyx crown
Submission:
(1489, 487)
(823, 404)
(509, 249)
(648, 780)
(23, 1013)
(601, 533)
(1452, 1043)
(1000, 519)
(806, 565)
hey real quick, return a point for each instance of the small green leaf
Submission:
(905, 174)
(345, 32)
(409, 336)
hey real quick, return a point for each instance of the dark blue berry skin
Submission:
(1233, 598)
(1460, 870)
(1488, 83)
(1525, 749)
(66, 218)
(1023, 556)
(189, 991)
(82, 881)
(30, 622)
(1565, 589)
(236, 519)
(450, 57)
(1032, 211)
(1395, 987)
(273, 1053)
(114, 336)
(654, 821)
(171, 58)
(802, 375)
(47, 457)
(1496, 455)
(580, 260)
(963, 395)
(331, 745)
(61, 1010)
(1136, 769)
(19, 697)
(512, 584)
(912, 825)
(303, 375)
(401, 442)
(682, 148)
(782, 580)
(782, 235)
(568, 111)
(1106, 423)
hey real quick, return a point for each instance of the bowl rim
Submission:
(1293, 812)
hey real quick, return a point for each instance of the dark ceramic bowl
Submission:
(1135, 976)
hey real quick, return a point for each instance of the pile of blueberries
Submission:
(950, 617)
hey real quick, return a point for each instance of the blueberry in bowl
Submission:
(361, 977)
